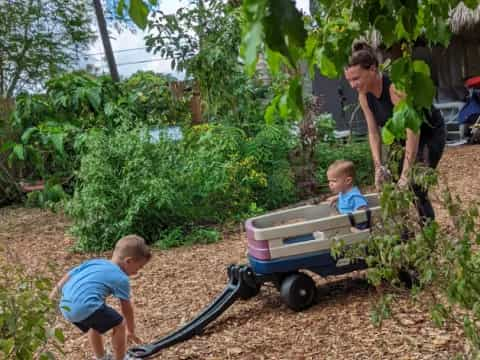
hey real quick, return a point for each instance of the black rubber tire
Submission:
(247, 291)
(298, 291)
(279, 277)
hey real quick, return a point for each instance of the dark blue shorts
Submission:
(102, 320)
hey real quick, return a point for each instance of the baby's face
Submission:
(338, 182)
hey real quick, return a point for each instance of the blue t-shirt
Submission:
(88, 286)
(350, 201)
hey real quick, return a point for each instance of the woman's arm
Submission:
(373, 132)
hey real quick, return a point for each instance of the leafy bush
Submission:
(271, 147)
(49, 197)
(442, 262)
(26, 314)
(128, 184)
(152, 100)
(178, 236)
(358, 152)
(52, 127)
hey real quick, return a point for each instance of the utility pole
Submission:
(102, 26)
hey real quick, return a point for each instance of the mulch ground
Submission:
(178, 283)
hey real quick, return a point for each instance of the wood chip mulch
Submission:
(178, 283)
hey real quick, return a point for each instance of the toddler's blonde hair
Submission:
(343, 167)
(133, 246)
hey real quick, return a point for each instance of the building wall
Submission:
(340, 100)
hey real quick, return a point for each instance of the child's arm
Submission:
(332, 200)
(58, 287)
(127, 311)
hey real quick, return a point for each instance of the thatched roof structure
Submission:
(465, 21)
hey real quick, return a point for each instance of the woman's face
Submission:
(360, 79)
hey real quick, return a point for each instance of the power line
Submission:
(134, 62)
(140, 62)
(118, 51)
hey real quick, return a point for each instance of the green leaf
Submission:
(413, 121)
(58, 333)
(19, 151)
(400, 31)
(472, 4)
(94, 98)
(283, 105)
(399, 73)
(7, 146)
(327, 67)
(421, 66)
(120, 7)
(138, 12)
(438, 314)
(387, 137)
(27, 134)
(271, 110)
(251, 42)
(274, 61)
(284, 29)
(423, 90)
(295, 92)
(57, 141)
(6, 345)
(408, 18)
(386, 27)
(48, 355)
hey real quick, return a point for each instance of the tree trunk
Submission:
(102, 26)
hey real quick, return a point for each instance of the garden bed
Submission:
(177, 283)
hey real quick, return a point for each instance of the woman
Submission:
(377, 96)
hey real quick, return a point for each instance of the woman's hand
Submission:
(381, 175)
(402, 182)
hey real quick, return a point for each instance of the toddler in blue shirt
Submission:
(85, 288)
(341, 178)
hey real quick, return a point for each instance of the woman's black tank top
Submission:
(382, 109)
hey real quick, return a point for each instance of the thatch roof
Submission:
(465, 21)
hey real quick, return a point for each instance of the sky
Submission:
(129, 47)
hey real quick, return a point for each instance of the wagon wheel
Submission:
(298, 291)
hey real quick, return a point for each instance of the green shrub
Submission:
(51, 128)
(51, 195)
(358, 152)
(271, 147)
(151, 99)
(127, 184)
(26, 314)
(178, 237)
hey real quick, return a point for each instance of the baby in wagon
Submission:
(347, 198)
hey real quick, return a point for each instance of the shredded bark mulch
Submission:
(178, 283)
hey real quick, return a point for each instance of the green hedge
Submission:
(215, 173)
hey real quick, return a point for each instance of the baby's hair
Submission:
(364, 55)
(344, 167)
(133, 246)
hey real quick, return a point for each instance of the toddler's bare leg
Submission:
(96, 342)
(119, 341)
